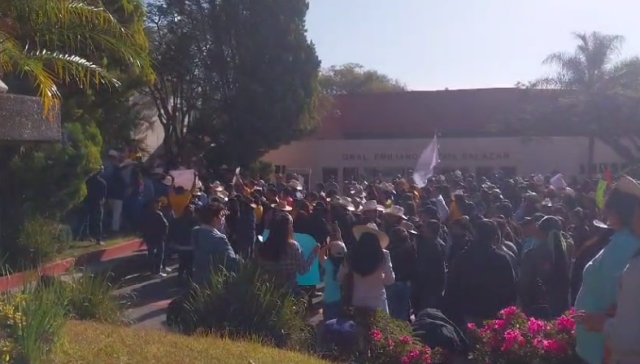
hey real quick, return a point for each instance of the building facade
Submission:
(383, 135)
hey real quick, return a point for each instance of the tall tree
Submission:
(353, 78)
(238, 74)
(602, 86)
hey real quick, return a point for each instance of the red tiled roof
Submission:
(418, 114)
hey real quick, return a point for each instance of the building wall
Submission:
(523, 156)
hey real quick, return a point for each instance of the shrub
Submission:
(39, 240)
(386, 349)
(244, 305)
(515, 338)
(91, 297)
(30, 324)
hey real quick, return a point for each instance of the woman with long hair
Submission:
(368, 269)
(281, 257)
(601, 276)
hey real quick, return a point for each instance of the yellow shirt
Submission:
(259, 212)
(179, 202)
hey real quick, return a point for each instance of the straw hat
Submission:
(395, 211)
(358, 230)
(372, 205)
(295, 185)
(167, 180)
(628, 185)
(282, 206)
(343, 201)
(217, 186)
(408, 227)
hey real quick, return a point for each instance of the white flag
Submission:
(427, 162)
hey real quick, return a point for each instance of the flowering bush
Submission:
(387, 350)
(515, 338)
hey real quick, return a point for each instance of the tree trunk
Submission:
(10, 198)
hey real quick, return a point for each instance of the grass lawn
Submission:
(77, 248)
(87, 342)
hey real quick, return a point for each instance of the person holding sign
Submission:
(280, 257)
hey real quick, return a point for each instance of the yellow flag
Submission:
(600, 191)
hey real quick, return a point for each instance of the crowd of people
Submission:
(465, 245)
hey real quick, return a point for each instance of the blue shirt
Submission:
(600, 283)
(331, 285)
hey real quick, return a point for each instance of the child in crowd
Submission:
(331, 257)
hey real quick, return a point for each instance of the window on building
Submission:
(583, 170)
(484, 171)
(509, 171)
(329, 174)
(614, 167)
(350, 174)
(624, 166)
(593, 168)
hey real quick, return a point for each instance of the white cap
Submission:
(337, 248)
(113, 153)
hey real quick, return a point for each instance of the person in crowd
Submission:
(431, 268)
(600, 280)
(180, 240)
(544, 276)
(94, 205)
(404, 261)
(211, 249)
(620, 328)
(481, 281)
(461, 238)
(154, 228)
(280, 256)
(331, 258)
(367, 269)
(116, 192)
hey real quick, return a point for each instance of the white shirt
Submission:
(369, 291)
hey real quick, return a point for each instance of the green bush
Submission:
(87, 297)
(39, 241)
(245, 305)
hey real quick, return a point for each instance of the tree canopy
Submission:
(603, 91)
(353, 78)
(51, 42)
(237, 75)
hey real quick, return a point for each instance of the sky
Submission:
(457, 44)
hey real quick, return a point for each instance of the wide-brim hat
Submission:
(282, 206)
(167, 180)
(395, 211)
(409, 227)
(372, 205)
(217, 186)
(383, 238)
(295, 185)
(628, 185)
(344, 202)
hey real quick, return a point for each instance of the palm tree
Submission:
(57, 42)
(593, 69)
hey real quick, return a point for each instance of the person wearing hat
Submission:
(546, 264)
(367, 269)
(601, 276)
(331, 258)
(370, 212)
(392, 217)
(179, 197)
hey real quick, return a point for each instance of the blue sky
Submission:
(431, 44)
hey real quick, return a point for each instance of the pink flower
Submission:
(405, 340)
(406, 360)
(391, 344)
(508, 313)
(427, 359)
(376, 335)
(500, 324)
(554, 347)
(472, 326)
(535, 327)
(512, 338)
(566, 324)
